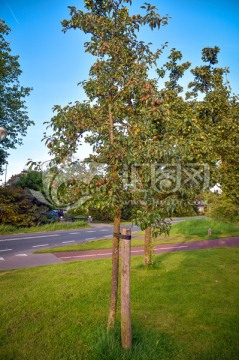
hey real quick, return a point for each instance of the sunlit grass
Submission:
(185, 307)
(9, 229)
(197, 229)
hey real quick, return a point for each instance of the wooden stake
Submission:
(126, 331)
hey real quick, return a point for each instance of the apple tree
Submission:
(116, 114)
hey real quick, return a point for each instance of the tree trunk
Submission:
(115, 271)
(147, 247)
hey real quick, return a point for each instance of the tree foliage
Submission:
(13, 112)
(215, 119)
(30, 179)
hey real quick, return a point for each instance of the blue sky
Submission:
(53, 62)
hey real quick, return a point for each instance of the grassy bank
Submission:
(186, 307)
(197, 229)
(189, 230)
(8, 229)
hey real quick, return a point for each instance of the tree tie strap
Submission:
(117, 235)
(126, 237)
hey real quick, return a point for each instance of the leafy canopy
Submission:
(128, 120)
(13, 112)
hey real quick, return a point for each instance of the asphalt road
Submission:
(16, 250)
(13, 244)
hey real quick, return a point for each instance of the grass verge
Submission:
(185, 231)
(9, 229)
(197, 229)
(185, 307)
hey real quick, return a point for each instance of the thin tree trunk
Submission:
(115, 245)
(147, 247)
(111, 123)
(115, 272)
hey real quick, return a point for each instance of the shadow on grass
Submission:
(157, 262)
(146, 345)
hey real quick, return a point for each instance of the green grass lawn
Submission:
(185, 307)
(8, 229)
(189, 230)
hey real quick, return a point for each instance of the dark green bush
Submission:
(19, 208)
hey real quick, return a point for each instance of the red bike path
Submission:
(158, 249)
(32, 260)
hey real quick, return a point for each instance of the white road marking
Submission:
(83, 256)
(108, 236)
(104, 230)
(30, 237)
(75, 233)
(21, 255)
(66, 242)
(109, 253)
(91, 238)
(1, 258)
(75, 256)
(170, 247)
(6, 250)
(40, 245)
(91, 231)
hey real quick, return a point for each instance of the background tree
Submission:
(164, 111)
(13, 114)
(214, 124)
(227, 147)
(221, 206)
(27, 179)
